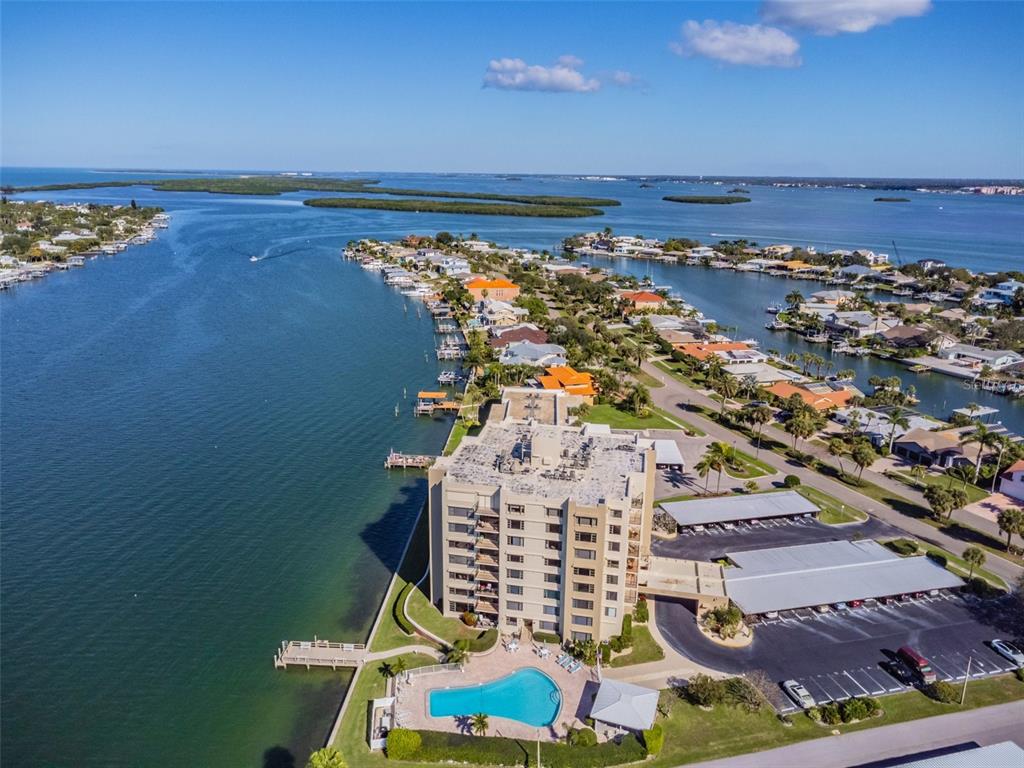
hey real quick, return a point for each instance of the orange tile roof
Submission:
(820, 402)
(568, 378)
(704, 351)
(549, 382)
(566, 374)
(498, 282)
(641, 297)
(1017, 466)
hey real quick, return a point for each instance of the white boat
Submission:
(253, 258)
(774, 309)
(816, 338)
(903, 292)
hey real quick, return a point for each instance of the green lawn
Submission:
(426, 615)
(644, 649)
(618, 419)
(647, 380)
(693, 735)
(459, 431)
(751, 467)
(833, 511)
(956, 564)
(680, 497)
(974, 493)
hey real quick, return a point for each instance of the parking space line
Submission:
(846, 693)
(941, 670)
(821, 700)
(856, 683)
(867, 673)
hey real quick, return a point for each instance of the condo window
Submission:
(585, 554)
(515, 509)
(513, 573)
(579, 586)
(614, 546)
(581, 636)
(612, 563)
(456, 576)
(458, 528)
(554, 528)
(510, 620)
(552, 562)
(549, 626)
(582, 621)
(550, 610)
(516, 525)
(590, 538)
(552, 578)
(515, 541)
(460, 512)
(513, 605)
(551, 594)
(583, 605)
(614, 530)
(611, 612)
(515, 558)
(587, 521)
(617, 514)
(611, 578)
(583, 571)
(553, 512)
(460, 560)
(553, 545)
(609, 595)
(515, 589)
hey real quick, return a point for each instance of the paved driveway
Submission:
(840, 655)
(712, 544)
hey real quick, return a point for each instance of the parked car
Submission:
(1008, 651)
(800, 695)
(899, 671)
(842, 607)
(856, 603)
(822, 609)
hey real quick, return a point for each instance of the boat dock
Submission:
(450, 353)
(319, 653)
(396, 460)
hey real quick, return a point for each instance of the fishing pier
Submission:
(319, 653)
(396, 460)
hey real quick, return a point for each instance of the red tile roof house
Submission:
(519, 333)
(640, 300)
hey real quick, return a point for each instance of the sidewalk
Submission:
(674, 397)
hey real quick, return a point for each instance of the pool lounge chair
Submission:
(574, 667)
(567, 662)
(561, 658)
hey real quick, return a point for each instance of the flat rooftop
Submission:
(552, 462)
(725, 509)
(830, 572)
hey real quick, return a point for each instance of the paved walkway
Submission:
(988, 725)
(675, 397)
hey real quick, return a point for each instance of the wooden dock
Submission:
(319, 653)
(397, 460)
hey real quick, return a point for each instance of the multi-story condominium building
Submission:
(542, 526)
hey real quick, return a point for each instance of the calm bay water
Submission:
(191, 443)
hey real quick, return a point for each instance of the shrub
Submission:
(582, 737)
(815, 714)
(615, 643)
(1020, 674)
(546, 637)
(725, 620)
(606, 653)
(943, 692)
(741, 693)
(705, 691)
(482, 642)
(791, 481)
(937, 557)
(402, 744)
(830, 714)
(654, 739)
(627, 631)
(642, 613)
(469, 618)
(873, 705)
(903, 547)
(853, 709)
(398, 610)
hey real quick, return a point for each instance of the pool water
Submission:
(527, 695)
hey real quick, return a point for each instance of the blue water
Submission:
(191, 444)
(527, 695)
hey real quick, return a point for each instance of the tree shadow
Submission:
(278, 757)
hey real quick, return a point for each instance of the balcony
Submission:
(484, 509)
(486, 558)
(486, 574)
(486, 606)
(635, 518)
(486, 526)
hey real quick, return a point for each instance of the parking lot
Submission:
(714, 541)
(841, 654)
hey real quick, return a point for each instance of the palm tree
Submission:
(981, 435)
(974, 557)
(918, 472)
(724, 456)
(328, 757)
(836, 447)
(758, 416)
(1011, 521)
(800, 426)
(398, 667)
(1003, 443)
(863, 456)
(794, 298)
(898, 419)
(454, 655)
(479, 724)
(639, 400)
(728, 388)
(703, 467)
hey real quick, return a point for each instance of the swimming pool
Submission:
(527, 695)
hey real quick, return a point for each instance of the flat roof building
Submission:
(542, 525)
(808, 575)
(731, 509)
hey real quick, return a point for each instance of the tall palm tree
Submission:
(757, 416)
(794, 298)
(639, 399)
(981, 435)
(703, 468)
(728, 388)
(479, 723)
(1003, 443)
(898, 419)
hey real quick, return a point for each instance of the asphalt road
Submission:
(713, 544)
(675, 398)
(842, 654)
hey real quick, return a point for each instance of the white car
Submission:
(800, 695)
(1009, 651)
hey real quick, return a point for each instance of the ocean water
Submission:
(191, 444)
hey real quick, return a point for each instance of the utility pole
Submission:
(963, 693)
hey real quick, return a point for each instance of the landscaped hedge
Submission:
(547, 637)
(483, 641)
(437, 747)
(399, 610)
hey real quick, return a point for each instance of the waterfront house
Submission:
(876, 425)
(727, 351)
(777, 251)
(820, 397)
(643, 300)
(922, 446)
(794, 266)
(570, 380)
(502, 337)
(872, 258)
(834, 298)
(528, 353)
(858, 325)
(909, 336)
(1001, 293)
(76, 261)
(857, 272)
(762, 374)
(498, 288)
(704, 252)
(976, 357)
(500, 313)
(929, 264)
(1011, 482)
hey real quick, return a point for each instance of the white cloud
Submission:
(830, 17)
(624, 78)
(516, 75)
(752, 45)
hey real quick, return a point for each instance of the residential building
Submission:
(502, 337)
(777, 251)
(643, 300)
(877, 426)
(500, 313)
(499, 289)
(909, 336)
(1011, 482)
(976, 357)
(570, 380)
(858, 325)
(1001, 293)
(727, 351)
(528, 353)
(541, 526)
(820, 397)
(835, 298)
(921, 446)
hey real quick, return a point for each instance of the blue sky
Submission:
(895, 88)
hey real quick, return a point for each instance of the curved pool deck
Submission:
(527, 695)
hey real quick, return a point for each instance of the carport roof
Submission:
(730, 508)
(830, 572)
(665, 452)
(1004, 753)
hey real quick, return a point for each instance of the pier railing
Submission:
(433, 669)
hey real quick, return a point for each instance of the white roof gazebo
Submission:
(625, 705)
